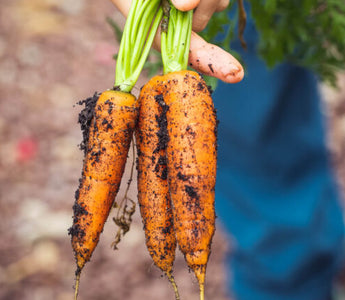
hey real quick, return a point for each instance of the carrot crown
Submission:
(175, 38)
(140, 29)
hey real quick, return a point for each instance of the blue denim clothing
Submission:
(276, 193)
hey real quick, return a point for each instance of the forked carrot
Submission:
(192, 158)
(192, 146)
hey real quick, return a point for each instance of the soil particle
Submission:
(211, 68)
(95, 155)
(195, 232)
(162, 160)
(182, 177)
(166, 230)
(162, 256)
(153, 159)
(161, 166)
(200, 86)
(79, 210)
(76, 231)
(191, 192)
(106, 122)
(164, 175)
(78, 271)
(85, 118)
(163, 137)
(110, 109)
(190, 131)
(76, 194)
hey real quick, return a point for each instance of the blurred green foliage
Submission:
(308, 33)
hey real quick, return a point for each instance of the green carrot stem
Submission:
(132, 79)
(187, 37)
(139, 16)
(138, 35)
(148, 16)
(178, 31)
(121, 58)
(172, 25)
(175, 42)
(164, 50)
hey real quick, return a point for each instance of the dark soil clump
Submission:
(163, 137)
(85, 118)
(191, 192)
(182, 177)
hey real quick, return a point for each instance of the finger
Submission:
(214, 61)
(185, 5)
(203, 14)
(205, 11)
(223, 4)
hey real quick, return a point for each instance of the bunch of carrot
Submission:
(175, 127)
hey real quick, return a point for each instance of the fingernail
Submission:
(185, 5)
(234, 75)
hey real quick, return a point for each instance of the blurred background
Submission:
(54, 53)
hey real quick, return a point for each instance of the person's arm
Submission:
(204, 57)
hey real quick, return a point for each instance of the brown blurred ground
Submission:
(52, 54)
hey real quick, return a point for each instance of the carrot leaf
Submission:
(140, 29)
(175, 39)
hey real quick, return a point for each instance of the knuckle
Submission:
(223, 4)
(200, 23)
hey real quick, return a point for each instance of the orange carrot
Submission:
(191, 156)
(191, 161)
(106, 148)
(153, 190)
(191, 149)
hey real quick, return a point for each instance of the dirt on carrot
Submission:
(153, 189)
(107, 123)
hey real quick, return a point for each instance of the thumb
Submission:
(185, 5)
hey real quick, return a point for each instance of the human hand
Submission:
(203, 57)
(204, 10)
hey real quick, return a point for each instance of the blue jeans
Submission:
(276, 194)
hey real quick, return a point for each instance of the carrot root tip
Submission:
(174, 285)
(77, 281)
(202, 291)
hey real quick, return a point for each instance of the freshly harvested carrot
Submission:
(153, 189)
(110, 135)
(191, 161)
(191, 148)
